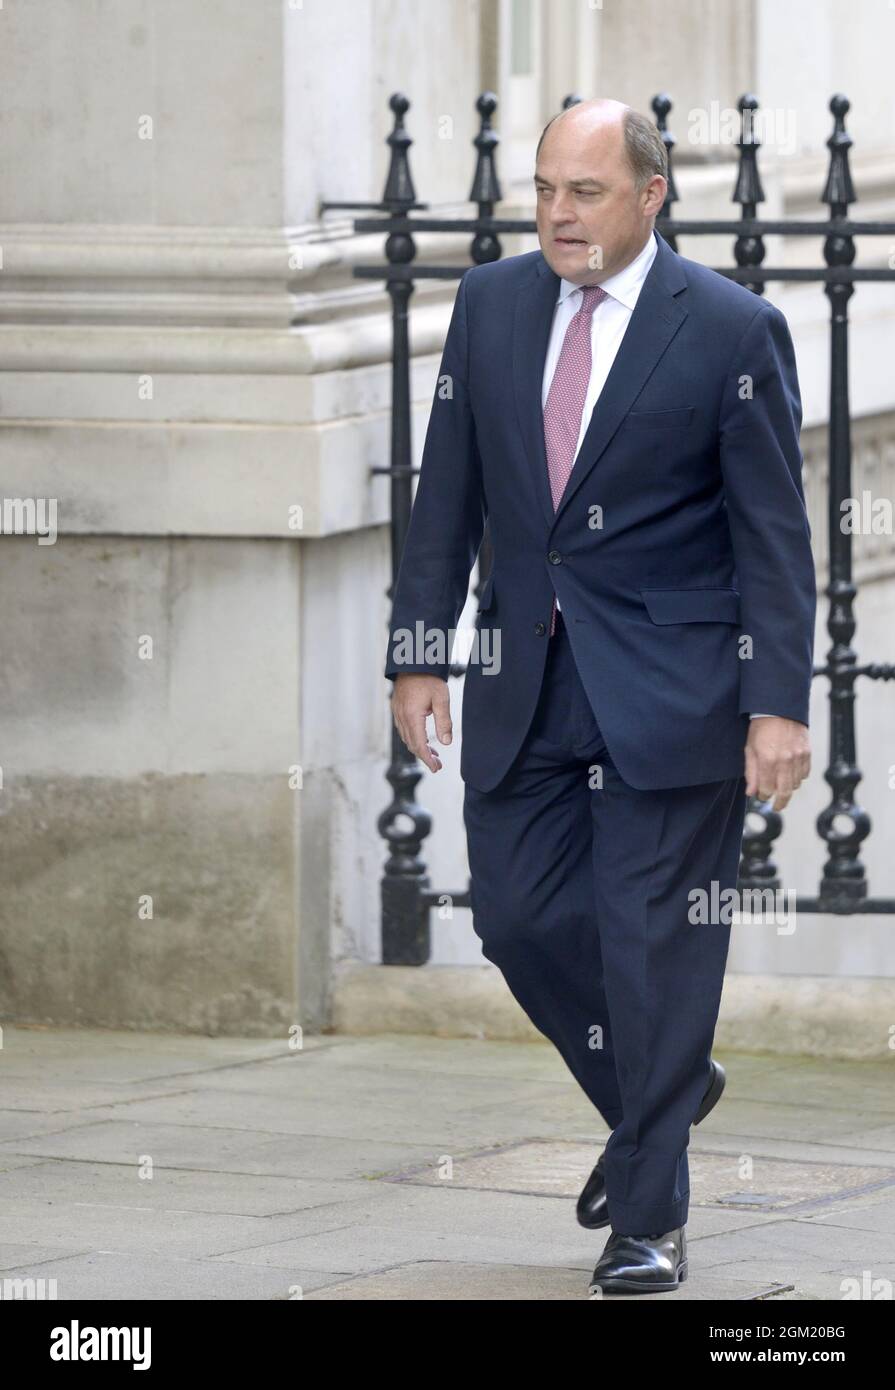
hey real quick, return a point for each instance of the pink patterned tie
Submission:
(565, 400)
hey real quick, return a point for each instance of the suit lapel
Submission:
(533, 319)
(656, 319)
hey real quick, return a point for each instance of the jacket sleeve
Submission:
(761, 465)
(447, 521)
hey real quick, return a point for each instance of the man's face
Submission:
(591, 218)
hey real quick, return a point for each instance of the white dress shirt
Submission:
(608, 326)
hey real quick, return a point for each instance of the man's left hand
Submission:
(778, 759)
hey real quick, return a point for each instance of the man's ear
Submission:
(654, 195)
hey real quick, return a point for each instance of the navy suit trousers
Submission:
(582, 895)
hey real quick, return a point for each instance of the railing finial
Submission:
(661, 105)
(399, 194)
(485, 183)
(485, 190)
(748, 191)
(839, 190)
(748, 251)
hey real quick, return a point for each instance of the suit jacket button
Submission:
(540, 629)
(554, 557)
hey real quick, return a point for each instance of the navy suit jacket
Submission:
(680, 550)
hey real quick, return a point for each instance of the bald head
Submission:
(643, 145)
(587, 115)
(600, 181)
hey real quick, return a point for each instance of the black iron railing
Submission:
(407, 897)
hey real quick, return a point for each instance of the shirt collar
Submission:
(625, 285)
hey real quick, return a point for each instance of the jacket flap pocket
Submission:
(487, 597)
(659, 419)
(692, 605)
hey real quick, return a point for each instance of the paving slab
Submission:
(105, 1055)
(759, 1119)
(19, 1126)
(108, 1276)
(223, 1150)
(450, 1111)
(715, 1140)
(792, 1251)
(432, 1281)
(825, 1083)
(188, 1190)
(863, 1212)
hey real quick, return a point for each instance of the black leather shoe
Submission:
(713, 1093)
(592, 1209)
(641, 1264)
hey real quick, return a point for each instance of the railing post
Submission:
(404, 824)
(762, 825)
(748, 250)
(405, 890)
(843, 824)
(661, 105)
(485, 247)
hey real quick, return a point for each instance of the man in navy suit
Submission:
(628, 423)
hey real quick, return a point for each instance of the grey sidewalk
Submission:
(410, 1168)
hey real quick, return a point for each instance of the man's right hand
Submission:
(414, 698)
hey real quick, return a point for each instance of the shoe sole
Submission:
(634, 1286)
(592, 1225)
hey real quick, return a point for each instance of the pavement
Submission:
(158, 1166)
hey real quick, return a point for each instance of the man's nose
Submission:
(561, 210)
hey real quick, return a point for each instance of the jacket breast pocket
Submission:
(659, 419)
(692, 605)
